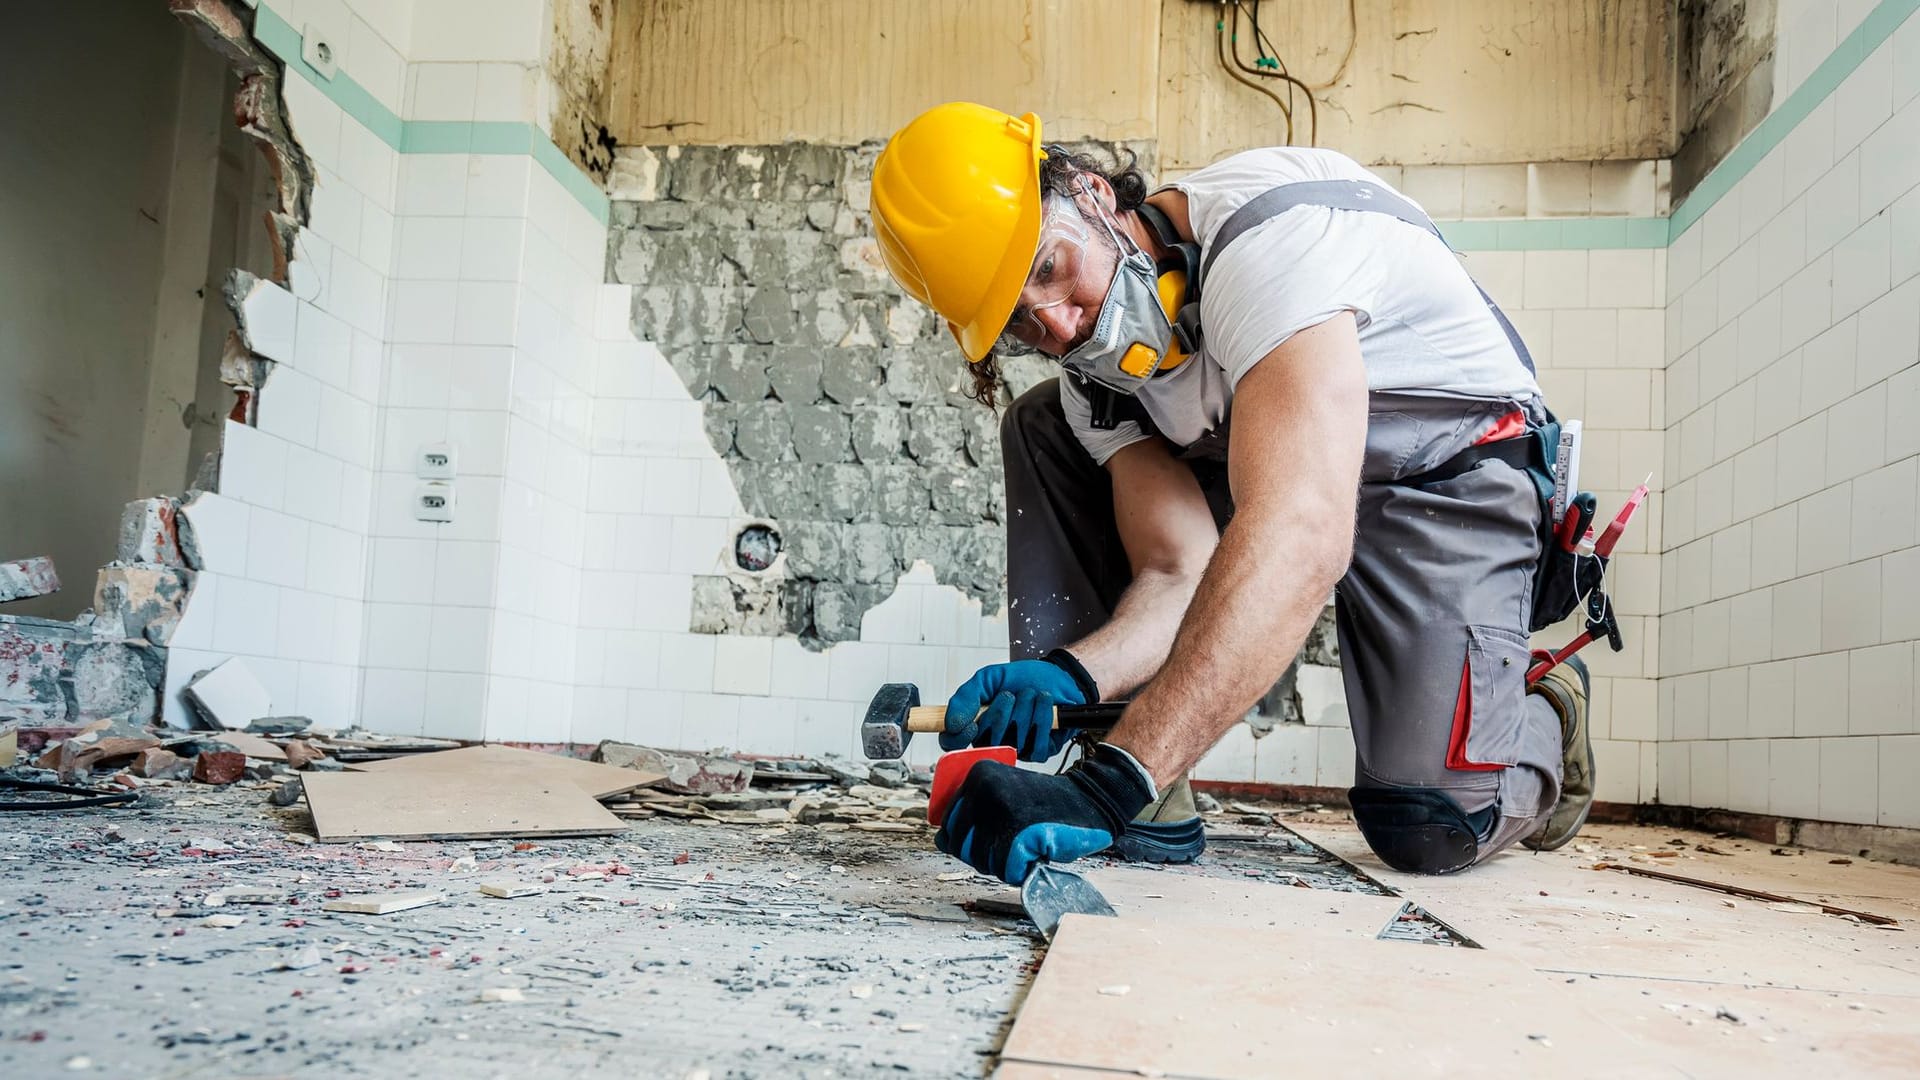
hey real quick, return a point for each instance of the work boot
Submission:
(1566, 689)
(1169, 830)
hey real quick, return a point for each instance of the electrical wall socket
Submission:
(436, 461)
(433, 501)
(320, 53)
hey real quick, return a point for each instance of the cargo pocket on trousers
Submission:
(1491, 706)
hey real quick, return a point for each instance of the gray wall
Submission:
(85, 146)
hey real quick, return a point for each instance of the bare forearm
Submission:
(1133, 644)
(1300, 425)
(1250, 615)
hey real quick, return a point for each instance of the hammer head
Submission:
(883, 731)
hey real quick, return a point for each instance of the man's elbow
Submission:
(1183, 568)
(1326, 556)
(1318, 546)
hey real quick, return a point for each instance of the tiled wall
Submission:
(286, 539)
(1789, 567)
(1760, 370)
(436, 297)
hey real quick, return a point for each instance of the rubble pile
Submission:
(832, 793)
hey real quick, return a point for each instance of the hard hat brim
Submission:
(1002, 294)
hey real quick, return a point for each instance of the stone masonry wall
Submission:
(835, 400)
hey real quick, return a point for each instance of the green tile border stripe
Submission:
(1853, 50)
(429, 136)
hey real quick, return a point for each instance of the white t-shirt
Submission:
(1422, 323)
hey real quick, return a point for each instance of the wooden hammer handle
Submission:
(924, 719)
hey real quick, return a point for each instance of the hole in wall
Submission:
(755, 547)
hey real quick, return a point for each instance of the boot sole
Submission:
(1162, 842)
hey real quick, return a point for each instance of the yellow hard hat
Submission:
(956, 210)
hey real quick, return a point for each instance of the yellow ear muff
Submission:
(1172, 287)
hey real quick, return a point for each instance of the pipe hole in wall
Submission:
(755, 547)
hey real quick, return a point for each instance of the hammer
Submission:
(896, 713)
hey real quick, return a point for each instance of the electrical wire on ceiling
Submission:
(1267, 66)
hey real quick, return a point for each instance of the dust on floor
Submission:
(673, 950)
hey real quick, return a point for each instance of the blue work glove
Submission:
(1006, 819)
(1018, 698)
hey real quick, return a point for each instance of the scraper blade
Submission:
(1050, 893)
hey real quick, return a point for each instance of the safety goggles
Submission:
(1058, 260)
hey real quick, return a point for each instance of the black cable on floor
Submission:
(85, 796)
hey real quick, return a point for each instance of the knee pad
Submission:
(1415, 830)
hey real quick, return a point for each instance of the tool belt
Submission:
(1563, 575)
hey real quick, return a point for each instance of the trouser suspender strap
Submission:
(1342, 195)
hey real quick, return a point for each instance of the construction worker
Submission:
(1386, 434)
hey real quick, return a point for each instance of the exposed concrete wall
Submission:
(1428, 81)
(1423, 81)
(85, 161)
(746, 72)
(578, 65)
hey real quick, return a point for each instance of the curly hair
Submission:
(1057, 172)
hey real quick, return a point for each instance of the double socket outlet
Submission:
(435, 465)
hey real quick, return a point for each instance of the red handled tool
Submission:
(1575, 533)
(952, 769)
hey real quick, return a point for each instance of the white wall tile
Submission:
(1905, 232)
(1747, 776)
(1880, 690)
(1675, 773)
(1556, 279)
(455, 706)
(432, 184)
(1849, 780)
(1862, 265)
(1807, 151)
(1793, 777)
(1796, 617)
(441, 91)
(1856, 434)
(1890, 160)
(393, 701)
(1770, 699)
(1850, 606)
(742, 665)
(797, 672)
(687, 661)
(1899, 761)
(477, 30)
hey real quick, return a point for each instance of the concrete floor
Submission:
(723, 952)
(784, 951)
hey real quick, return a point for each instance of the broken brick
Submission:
(156, 763)
(300, 754)
(219, 766)
(153, 532)
(74, 758)
(25, 578)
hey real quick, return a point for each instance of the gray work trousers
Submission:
(1432, 613)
